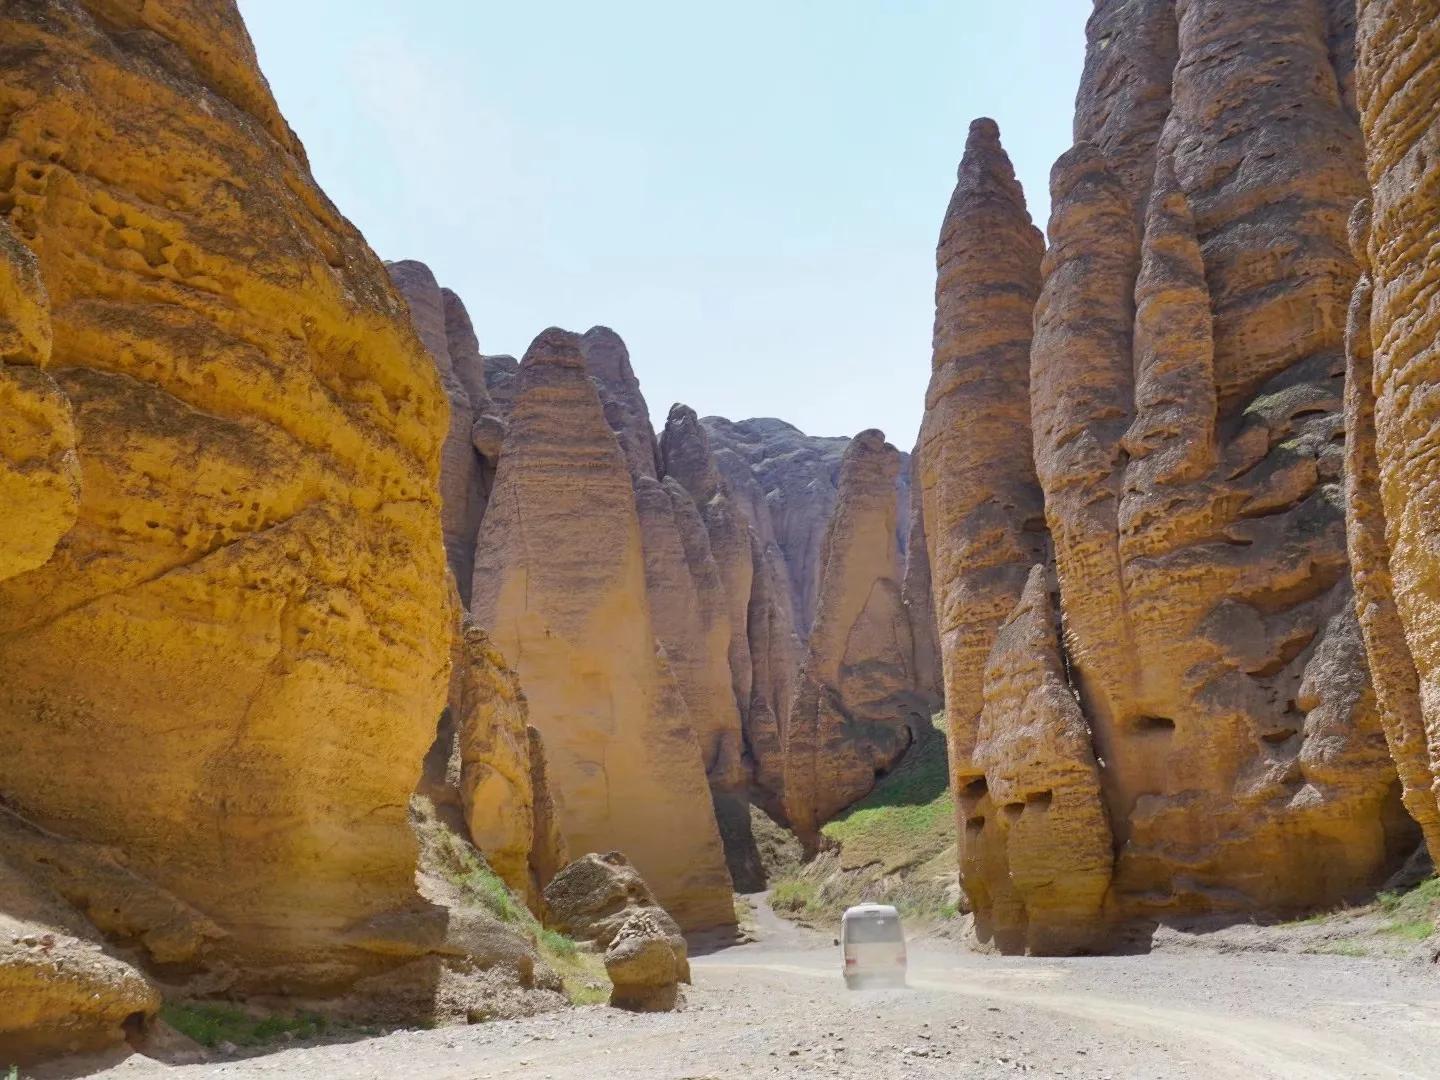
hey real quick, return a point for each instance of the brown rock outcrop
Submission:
(593, 898)
(1394, 359)
(641, 965)
(689, 608)
(982, 505)
(1191, 467)
(560, 584)
(442, 324)
(855, 708)
(63, 991)
(240, 647)
(1044, 827)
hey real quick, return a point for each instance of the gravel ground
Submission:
(777, 1007)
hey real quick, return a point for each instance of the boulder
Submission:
(642, 965)
(594, 897)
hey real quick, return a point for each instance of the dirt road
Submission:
(778, 1008)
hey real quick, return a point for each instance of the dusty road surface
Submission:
(778, 1008)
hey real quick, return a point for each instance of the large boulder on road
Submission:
(643, 966)
(593, 897)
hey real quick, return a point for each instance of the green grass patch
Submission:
(211, 1024)
(794, 895)
(910, 816)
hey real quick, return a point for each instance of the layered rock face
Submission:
(1185, 405)
(1186, 396)
(981, 502)
(560, 584)
(690, 608)
(1048, 843)
(1394, 357)
(472, 442)
(228, 669)
(855, 708)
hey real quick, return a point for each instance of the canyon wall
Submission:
(560, 585)
(855, 709)
(1185, 407)
(219, 669)
(1394, 358)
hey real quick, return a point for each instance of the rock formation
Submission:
(641, 965)
(1391, 485)
(797, 477)
(689, 608)
(472, 443)
(560, 584)
(238, 651)
(981, 502)
(63, 992)
(593, 898)
(1187, 434)
(1044, 831)
(492, 745)
(855, 708)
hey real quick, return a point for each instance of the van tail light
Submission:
(849, 961)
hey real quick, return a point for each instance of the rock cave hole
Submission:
(1013, 810)
(975, 789)
(1277, 738)
(1154, 725)
(974, 824)
(1040, 800)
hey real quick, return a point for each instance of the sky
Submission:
(749, 193)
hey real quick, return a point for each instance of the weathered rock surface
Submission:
(642, 966)
(239, 649)
(466, 470)
(39, 472)
(63, 992)
(596, 895)
(560, 584)
(689, 607)
(797, 476)
(855, 709)
(1184, 392)
(982, 504)
(548, 852)
(492, 745)
(1394, 357)
(1043, 826)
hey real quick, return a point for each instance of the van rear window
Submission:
(873, 931)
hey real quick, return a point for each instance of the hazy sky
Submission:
(749, 192)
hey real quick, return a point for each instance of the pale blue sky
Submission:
(750, 193)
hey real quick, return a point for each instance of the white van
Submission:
(872, 946)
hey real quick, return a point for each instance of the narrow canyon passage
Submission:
(777, 1007)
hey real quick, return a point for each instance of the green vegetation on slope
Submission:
(1395, 923)
(583, 972)
(895, 846)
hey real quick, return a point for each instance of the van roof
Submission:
(883, 910)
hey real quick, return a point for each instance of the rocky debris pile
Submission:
(643, 967)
